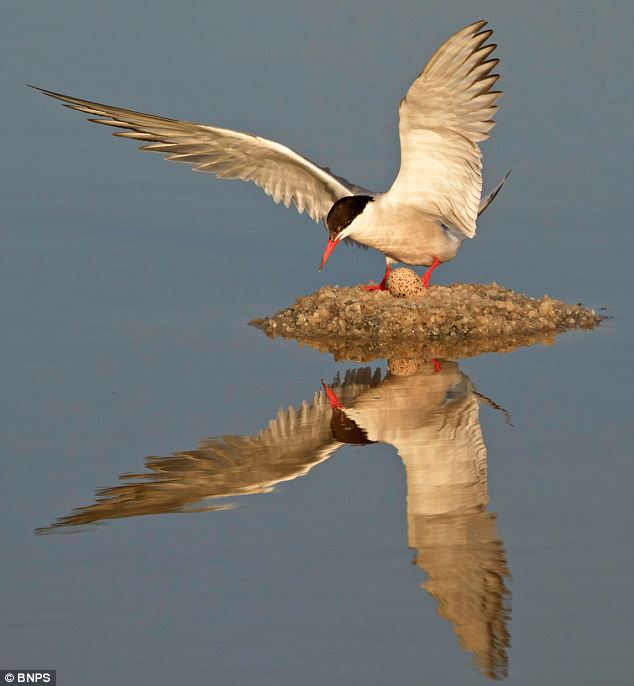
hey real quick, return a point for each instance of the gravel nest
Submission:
(458, 320)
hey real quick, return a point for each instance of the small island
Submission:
(457, 320)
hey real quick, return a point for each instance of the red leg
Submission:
(427, 274)
(437, 365)
(381, 286)
(332, 398)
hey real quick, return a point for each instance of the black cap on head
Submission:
(343, 212)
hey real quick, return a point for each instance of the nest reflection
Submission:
(455, 348)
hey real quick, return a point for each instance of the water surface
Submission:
(127, 285)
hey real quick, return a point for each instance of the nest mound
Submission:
(458, 320)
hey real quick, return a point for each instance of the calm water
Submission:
(229, 527)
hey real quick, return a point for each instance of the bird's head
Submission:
(339, 219)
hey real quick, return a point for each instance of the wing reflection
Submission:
(430, 414)
(290, 446)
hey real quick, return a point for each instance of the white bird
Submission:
(435, 199)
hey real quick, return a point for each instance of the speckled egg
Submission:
(404, 283)
(399, 367)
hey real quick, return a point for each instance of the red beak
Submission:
(332, 243)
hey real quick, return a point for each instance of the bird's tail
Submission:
(488, 199)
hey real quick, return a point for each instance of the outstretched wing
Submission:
(447, 111)
(281, 173)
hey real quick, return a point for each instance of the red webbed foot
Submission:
(376, 287)
(383, 285)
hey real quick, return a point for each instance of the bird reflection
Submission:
(430, 414)
(429, 411)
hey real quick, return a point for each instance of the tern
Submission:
(433, 203)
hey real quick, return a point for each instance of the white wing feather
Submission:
(281, 173)
(447, 111)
